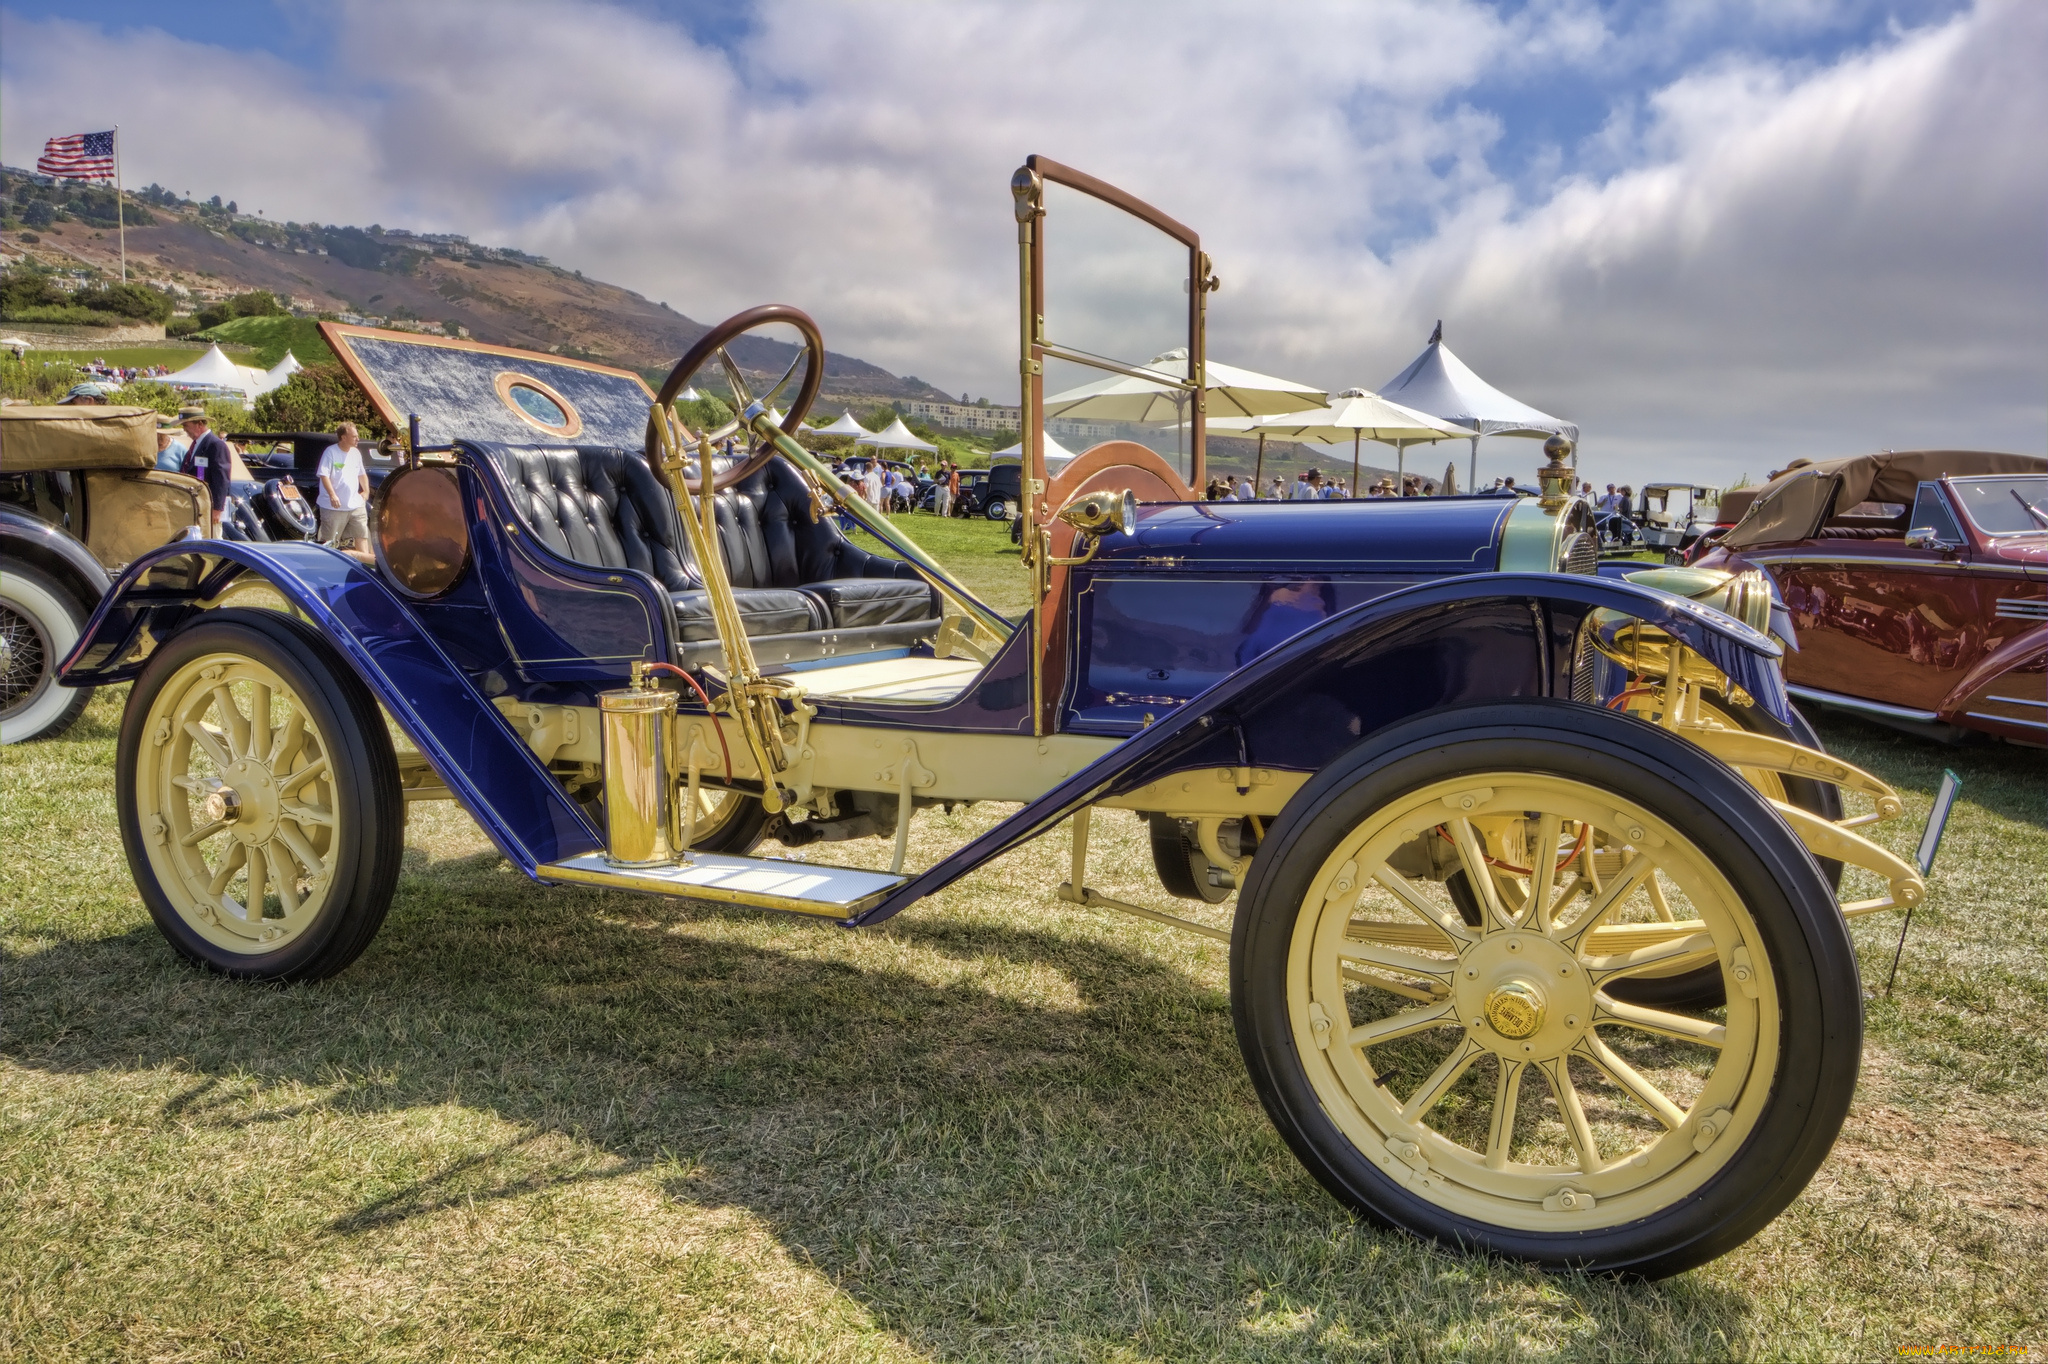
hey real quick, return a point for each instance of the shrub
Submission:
(255, 303)
(318, 398)
(181, 326)
(704, 414)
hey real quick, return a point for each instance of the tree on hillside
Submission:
(319, 398)
(255, 303)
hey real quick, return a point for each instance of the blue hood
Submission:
(1422, 535)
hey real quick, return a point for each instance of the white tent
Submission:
(277, 375)
(845, 426)
(1440, 384)
(212, 370)
(896, 436)
(1056, 455)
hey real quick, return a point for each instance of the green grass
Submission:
(568, 1124)
(270, 337)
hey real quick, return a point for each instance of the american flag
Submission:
(81, 156)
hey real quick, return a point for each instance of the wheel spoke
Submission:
(1632, 1082)
(1659, 1021)
(1441, 1079)
(1575, 1125)
(282, 877)
(289, 737)
(1657, 900)
(259, 719)
(253, 909)
(1543, 875)
(202, 833)
(1610, 897)
(304, 815)
(233, 723)
(302, 776)
(1699, 944)
(1445, 919)
(209, 741)
(1393, 959)
(1404, 1024)
(1500, 1133)
(1479, 876)
(303, 851)
(225, 872)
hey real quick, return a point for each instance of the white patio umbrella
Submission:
(895, 436)
(1439, 383)
(845, 426)
(1233, 393)
(1359, 414)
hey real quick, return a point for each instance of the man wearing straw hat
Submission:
(207, 458)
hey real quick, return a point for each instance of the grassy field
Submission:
(565, 1124)
(268, 338)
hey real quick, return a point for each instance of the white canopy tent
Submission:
(845, 426)
(277, 375)
(212, 370)
(1057, 456)
(1440, 384)
(895, 436)
(1357, 414)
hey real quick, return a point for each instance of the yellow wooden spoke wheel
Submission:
(1485, 1083)
(259, 798)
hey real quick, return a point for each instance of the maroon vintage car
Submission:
(1918, 582)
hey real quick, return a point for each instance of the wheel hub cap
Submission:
(249, 801)
(1515, 1010)
(1522, 996)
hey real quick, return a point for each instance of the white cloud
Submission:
(1775, 258)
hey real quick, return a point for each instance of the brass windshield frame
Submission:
(1027, 189)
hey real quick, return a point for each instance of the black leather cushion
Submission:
(852, 603)
(792, 569)
(763, 611)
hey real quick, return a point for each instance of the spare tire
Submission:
(238, 520)
(285, 514)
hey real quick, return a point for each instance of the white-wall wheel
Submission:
(39, 625)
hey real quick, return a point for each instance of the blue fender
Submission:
(461, 734)
(55, 551)
(1453, 642)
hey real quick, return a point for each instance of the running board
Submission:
(761, 883)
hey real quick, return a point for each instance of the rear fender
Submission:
(1453, 642)
(55, 551)
(486, 766)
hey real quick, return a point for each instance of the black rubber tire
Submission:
(1802, 934)
(370, 840)
(1704, 987)
(1182, 865)
(998, 509)
(43, 621)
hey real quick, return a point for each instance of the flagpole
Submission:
(120, 217)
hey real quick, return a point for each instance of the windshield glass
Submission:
(1115, 286)
(2005, 506)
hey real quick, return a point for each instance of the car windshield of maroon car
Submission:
(2005, 506)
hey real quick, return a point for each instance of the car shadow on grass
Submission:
(996, 1139)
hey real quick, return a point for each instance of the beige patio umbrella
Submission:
(1133, 397)
(1361, 415)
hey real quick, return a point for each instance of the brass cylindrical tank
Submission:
(634, 729)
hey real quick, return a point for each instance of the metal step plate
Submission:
(803, 887)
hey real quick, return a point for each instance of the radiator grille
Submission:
(1582, 554)
(1583, 666)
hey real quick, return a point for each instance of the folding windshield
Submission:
(1113, 294)
(2004, 506)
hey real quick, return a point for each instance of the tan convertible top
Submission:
(1793, 505)
(77, 436)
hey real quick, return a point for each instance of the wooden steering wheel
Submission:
(713, 343)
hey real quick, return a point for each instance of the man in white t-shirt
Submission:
(871, 484)
(344, 492)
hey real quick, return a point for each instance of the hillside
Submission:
(498, 295)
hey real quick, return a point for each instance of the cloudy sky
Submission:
(1715, 233)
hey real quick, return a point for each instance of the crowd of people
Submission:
(120, 374)
(1311, 486)
(888, 488)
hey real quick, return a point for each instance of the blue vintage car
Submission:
(1536, 945)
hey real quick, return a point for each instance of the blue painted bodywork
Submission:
(1459, 641)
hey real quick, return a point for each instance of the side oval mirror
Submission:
(1921, 537)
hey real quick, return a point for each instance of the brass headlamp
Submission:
(1096, 514)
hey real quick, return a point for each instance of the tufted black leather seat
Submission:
(792, 573)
